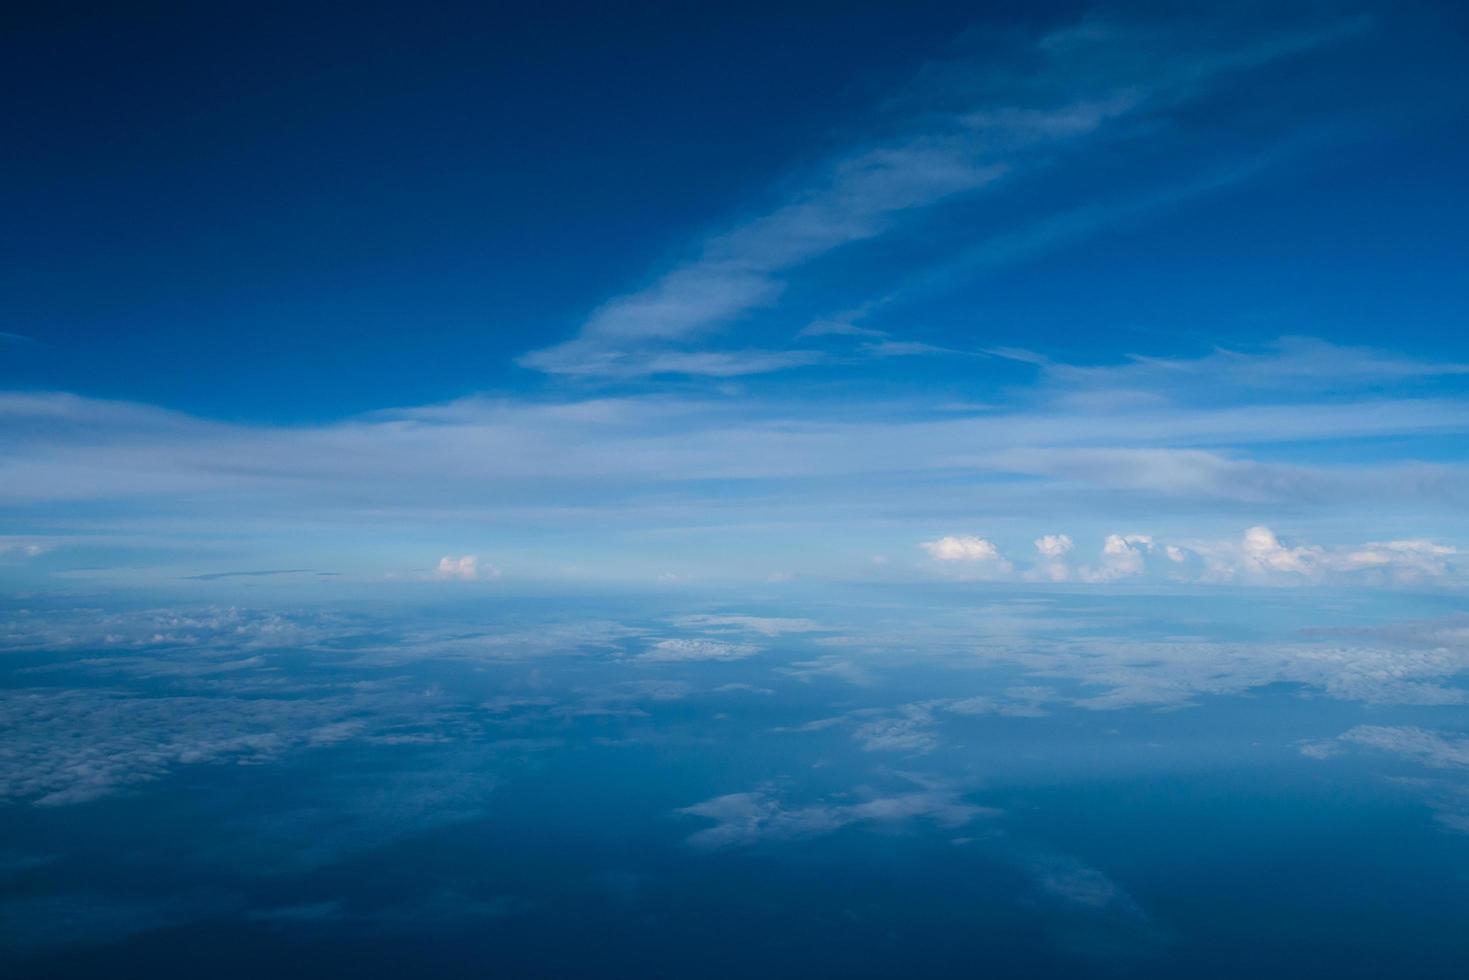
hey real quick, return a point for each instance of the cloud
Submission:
(465, 568)
(914, 727)
(1300, 364)
(686, 649)
(1261, 557)
(1076, 883)
(1445, 793)
(1429, 748)
(744, 819)
(770, 626)
(1051, 565)
(955, 138)
(1257, 557)
(569, 476)
(909, 730)
(963, 548)
(1053, 545)
(78, 745)
(1123, 556)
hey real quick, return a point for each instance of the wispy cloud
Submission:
(1124, 440)
(1081, 84)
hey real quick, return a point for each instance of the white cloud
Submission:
(1261, 557)
(1429, 748)
(1261, 551)
(684, 649)
(1053, 545)
(1008, 123)
(1406, 560)
(1123, 556)
(464, 568)
(583, 471)
(737, 623)
(963, 548)
(1051, 564)
(742, 819)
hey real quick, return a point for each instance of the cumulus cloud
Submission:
(1260, 556)
(1050, 565)
(465, 568)
(1123, 556)
(964, 548)
(1257, 557)
(1053, 545)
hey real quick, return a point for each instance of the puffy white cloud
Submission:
(1261, 551)
(963, 548)
(1261, 557)
(464, 568)
(1257, 557)
(1123, 556)
(1053, 545)
(1051, 565)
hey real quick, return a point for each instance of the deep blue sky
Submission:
(688, 291)
(221, 208)
(286, 213)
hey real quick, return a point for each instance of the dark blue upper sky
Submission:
(283, 211)
(300, 212)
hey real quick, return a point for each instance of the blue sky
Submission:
(1067, 297)
(689, 489)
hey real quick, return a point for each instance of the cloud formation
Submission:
(983, 124)
(963, 548)
(743, 819)
(465, 568)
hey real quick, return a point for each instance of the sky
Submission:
(662, 489)
(613, 298)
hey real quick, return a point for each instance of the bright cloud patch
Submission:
(691, 649)
(966, 548)
(1258, 557)
(464, 568)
